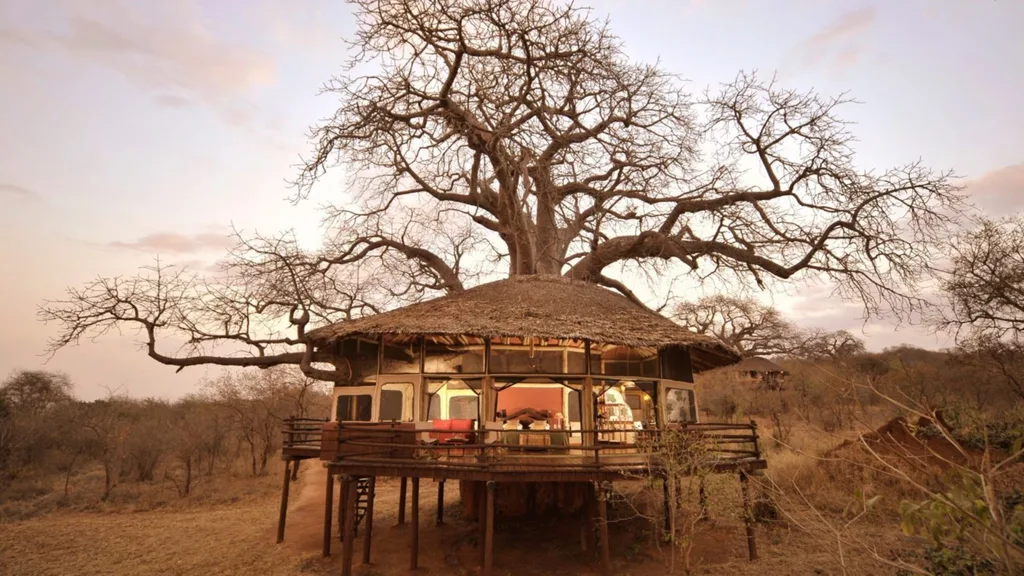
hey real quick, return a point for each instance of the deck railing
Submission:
(404, 444)
(302, 436)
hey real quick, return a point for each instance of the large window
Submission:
(396, 402)
(355, 408)
(679, 406)
(453, 399)
(463, 407)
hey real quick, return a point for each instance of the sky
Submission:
(144, 129)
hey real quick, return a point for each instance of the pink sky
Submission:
(132, 130)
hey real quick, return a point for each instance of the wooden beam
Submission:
(414, 556)
(402, 486)
(602, 519)
(666, 493)
(489, 530)
(348, 489)
(368, 533)
(342, 495)
(284, 501)
(588, 536)
(440, 502)
(328, 511)
(748, 517)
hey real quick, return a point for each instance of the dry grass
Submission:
(227, 527)
(223, 539)
(238, 538)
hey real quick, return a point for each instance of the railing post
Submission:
(753, 430)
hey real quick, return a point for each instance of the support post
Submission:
(602, 518)
(489, 530)
(284, 502)
(440, 502)
(402, 486)
(589, 520)
(748, 517)
(348, 491)
(481, 518)
(328, 511)
(414, 557)
(667, 504)
(295, 470)
(368, 533)
(342, 495)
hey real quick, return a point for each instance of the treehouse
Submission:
(534, 393)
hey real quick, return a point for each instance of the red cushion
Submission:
(462, 424)
(441, 424)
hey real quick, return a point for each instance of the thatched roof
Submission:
(541, 306)
(755, 364)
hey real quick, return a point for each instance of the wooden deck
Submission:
(358, 453)
(401, 450)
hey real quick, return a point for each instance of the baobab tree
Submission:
(502, 137)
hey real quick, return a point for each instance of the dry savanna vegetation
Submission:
(493, 138)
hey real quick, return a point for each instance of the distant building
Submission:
(757, 370)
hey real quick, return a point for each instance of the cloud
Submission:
(17, 192)
(175, 243)
(166, 49)
(837, 45)
(999, 192)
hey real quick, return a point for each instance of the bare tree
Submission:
(995, 359)
(820, 344)
(518, 133)
(985, 286)
(753, 328)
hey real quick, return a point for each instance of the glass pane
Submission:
(390, 405)
(457, 358)
(355, 408)
(401, 355)
(462, 408)
(574, 405)
(396, 401)
(679, 406)
(361, 354)
(434, 408)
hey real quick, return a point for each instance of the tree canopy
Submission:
(757, 329)
(500, 137)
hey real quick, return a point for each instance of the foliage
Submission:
(48, 438)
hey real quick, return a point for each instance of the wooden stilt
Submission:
(401, 499)
(368, 533)
(295, 470)
(414, 557)
(489, 530)
(348, 491)
(440, 502)
(748, 518)
(342, 495)
(328, 510)
(481, 519)
(589, 520)
(284, 502)
(602, 519)
(666, 493)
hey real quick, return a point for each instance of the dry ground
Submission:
(238, 538)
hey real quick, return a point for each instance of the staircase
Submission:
(362, 500)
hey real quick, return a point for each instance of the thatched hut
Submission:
(532, 388)
(757, 370)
